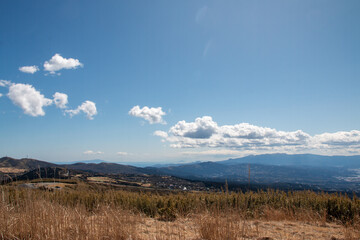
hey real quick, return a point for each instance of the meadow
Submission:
(83, 211)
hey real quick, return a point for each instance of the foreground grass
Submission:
(85, 212)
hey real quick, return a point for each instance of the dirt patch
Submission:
(101, 179)
(12, 170)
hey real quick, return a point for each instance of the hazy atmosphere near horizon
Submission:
(170, 81)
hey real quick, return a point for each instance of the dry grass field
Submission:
(85, 212)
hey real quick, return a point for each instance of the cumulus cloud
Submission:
(32, 101)
(87, 107)
(351, 138)
(203, 127)
(204, 132)
(29, 69)
(90, 152)
(57, 62)
(60, 100)
(152, 115)
(28, 98)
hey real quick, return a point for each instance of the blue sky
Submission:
(211, 79)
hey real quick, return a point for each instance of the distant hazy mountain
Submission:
(298, 160)
(258, 172)
(81, 161)
(161, 165)
(200, 170)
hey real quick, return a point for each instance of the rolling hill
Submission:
(320, 172)
(24, 163)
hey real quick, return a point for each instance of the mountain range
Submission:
(321, 172)
(282, 159)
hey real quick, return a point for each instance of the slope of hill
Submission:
(49, 172)
(102, 167)
(24, 163)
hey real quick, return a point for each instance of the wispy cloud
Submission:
(57, 62)
(5, 83)
(29, 69)
(152, 115)
(122, 153)
(207, 47)
(200, 14)
(90, 152)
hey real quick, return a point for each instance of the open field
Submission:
(88, 211)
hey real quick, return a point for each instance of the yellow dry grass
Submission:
(233, 227)
(12, 170)
(41, 214)
(101, 179)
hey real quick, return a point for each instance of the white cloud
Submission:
(28, 98)
(32, 101)
(60, 100)
(200, 14)
(122, 153)
(1, 95)
(207, 48)
(351, 138)
(217, 152)
(87, 107)
(152, 115)
(205, 133)
(57, 62)
(29, 69)
(161, 134)
(90, 152)
(203, 127)
(4, 83)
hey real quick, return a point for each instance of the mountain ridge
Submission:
(332, 172)
(297, 160)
